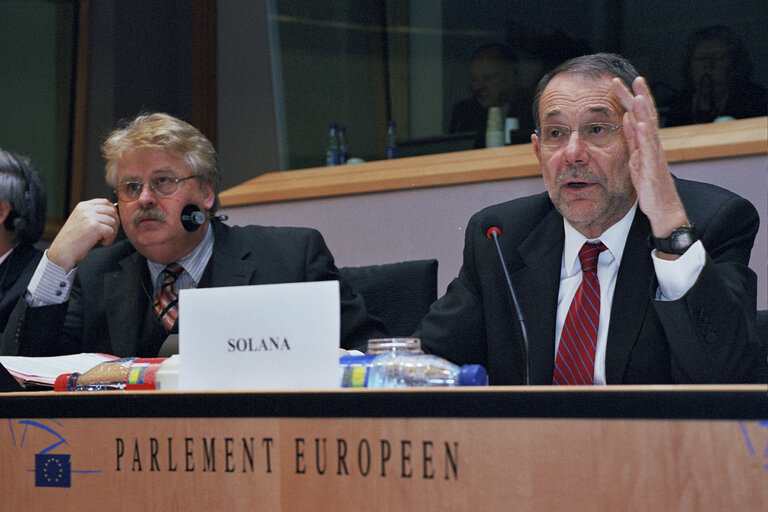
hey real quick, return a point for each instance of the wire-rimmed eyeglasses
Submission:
(129, 191)
(595, 134)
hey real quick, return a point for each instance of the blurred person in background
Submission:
(22, 220)
(718, 81)
(494, 83)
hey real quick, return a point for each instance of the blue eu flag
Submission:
(52, 470)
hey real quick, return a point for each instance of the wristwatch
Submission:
(676, 243)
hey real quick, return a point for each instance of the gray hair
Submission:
(594, 66)
(23, 188)
(165, 133)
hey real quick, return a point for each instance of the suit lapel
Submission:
(126, 300)
(229, 265)
(536, 284)
(631, 299)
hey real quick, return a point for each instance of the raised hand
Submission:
(91, 223)
(656, 191)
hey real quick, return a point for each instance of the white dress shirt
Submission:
(675, 278)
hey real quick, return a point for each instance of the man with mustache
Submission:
(664, 294)
(86, 298)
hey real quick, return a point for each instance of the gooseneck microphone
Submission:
(493, 231)
(192, 217)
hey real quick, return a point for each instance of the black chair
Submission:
(399, 294)
(762, 336)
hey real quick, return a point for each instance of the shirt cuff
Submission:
(678, 276)
(50, 284)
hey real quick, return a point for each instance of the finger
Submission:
(623, 93)
(644, 110)
(109, 237)
(641, 87)
(630, 133)
(650, 150)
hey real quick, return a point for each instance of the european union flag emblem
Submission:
(52, 470)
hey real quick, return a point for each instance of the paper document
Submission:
(44, 370)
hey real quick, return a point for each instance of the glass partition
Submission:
(433, 68)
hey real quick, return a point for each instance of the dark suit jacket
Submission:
(707, 336)
(16, 271)
(112, 293)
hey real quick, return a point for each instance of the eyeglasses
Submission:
(161, 185)
(594, 134)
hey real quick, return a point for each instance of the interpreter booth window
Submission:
(433, 76)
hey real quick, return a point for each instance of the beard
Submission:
(602, 207)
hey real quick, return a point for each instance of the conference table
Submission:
(482, 449)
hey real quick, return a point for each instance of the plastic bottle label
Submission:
(142, 373)
(354, 370)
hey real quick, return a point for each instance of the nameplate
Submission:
(260, 337)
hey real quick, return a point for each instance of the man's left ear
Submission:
(536, 148)
(5, 209)
(208, 197)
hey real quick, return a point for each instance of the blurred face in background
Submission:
(492, 81)
(712, 65)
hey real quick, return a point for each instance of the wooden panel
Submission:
(685, 143)
(386, 464)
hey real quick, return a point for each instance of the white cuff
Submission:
(50, 284)
(676, 277)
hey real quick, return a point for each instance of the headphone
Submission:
(27, 219)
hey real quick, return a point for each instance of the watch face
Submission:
(682, 240)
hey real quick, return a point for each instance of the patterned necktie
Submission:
(575, 361)
(166, 302)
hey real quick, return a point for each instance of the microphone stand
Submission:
(494, 233)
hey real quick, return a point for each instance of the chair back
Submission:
(399, 294)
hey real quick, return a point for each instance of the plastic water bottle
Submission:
(404, 370)
(391, 148)
(127, 373)
(343, 148)
(332, 148)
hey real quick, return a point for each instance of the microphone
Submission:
(192, 217)
(493, 231)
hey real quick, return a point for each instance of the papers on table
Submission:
(44, 370)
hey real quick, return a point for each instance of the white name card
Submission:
(260, 337)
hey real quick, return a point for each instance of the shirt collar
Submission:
(194, 262)
(614, 238)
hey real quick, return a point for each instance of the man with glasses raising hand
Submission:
(121, 298)
(623, 273)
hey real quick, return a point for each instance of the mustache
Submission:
(150, 213)
(579, 173)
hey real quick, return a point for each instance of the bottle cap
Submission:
(473, 375)
(383, 345)
(62, 380)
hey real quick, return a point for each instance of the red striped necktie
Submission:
(575, 361)
(166, 302)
